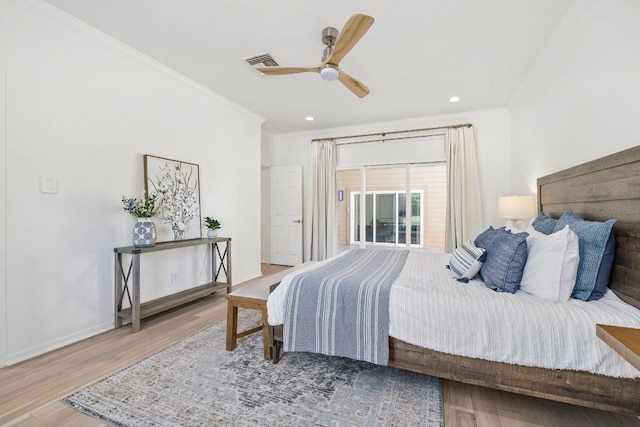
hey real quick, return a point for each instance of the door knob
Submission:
(298, 221)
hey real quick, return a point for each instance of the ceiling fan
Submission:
(338, 45)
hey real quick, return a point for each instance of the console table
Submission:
(129, 283)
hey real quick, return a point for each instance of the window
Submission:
(385, 199)
(384, 171)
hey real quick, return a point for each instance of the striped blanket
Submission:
(342, 308)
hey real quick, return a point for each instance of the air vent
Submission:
(263, 59)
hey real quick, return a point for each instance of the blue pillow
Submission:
(484, 238)
(504, 261)
(604, 272)
(592, 237)
(544, 224)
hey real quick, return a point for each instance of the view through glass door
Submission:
(386, 220)
(386, 217)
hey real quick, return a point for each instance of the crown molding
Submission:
(85, 30)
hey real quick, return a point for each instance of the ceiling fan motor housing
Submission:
(329, 36)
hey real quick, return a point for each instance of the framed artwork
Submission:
(177, 186)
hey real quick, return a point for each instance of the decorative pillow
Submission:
(544, 224)
(504, 261)
(484, 238)
(593, 237)
(604, 273)
(465, 261)
(552, 264)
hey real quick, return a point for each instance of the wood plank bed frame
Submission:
(605, 188)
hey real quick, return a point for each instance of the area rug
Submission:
(196, 382)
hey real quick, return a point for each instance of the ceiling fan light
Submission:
(329, 72)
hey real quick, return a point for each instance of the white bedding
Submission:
(430, 309)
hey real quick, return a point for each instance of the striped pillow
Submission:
(465, 261)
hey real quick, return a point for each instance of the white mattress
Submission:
(430, 309)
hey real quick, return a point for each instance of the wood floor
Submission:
(30, 392)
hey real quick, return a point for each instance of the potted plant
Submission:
(213, 225)
(144, 231)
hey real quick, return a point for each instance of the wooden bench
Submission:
(253, 295)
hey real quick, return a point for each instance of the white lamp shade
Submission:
(516, 207)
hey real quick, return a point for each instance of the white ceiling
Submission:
(417, 54)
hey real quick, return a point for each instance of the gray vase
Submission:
(144, 233)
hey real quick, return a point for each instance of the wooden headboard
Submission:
(605, 188)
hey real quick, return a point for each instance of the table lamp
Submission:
(515, 208)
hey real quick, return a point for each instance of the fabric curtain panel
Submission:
(464, 201)
(323, 241)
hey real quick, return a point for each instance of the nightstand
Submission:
(625, 341)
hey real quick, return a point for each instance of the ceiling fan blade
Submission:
(273, 71)
(353, 30)
(353, 85)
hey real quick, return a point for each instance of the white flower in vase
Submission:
(177, 190)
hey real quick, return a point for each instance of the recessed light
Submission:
(309, 118)
(454, 99)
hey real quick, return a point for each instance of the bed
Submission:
(598, 190)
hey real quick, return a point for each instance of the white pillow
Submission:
(465, 261)
(552, 264)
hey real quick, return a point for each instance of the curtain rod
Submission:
(383, 134)
(389, 139)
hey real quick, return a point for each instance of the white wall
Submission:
(3, 224)
(84, 109)
(493, 132)
(580, 100)
(265, 207)
(267, 161)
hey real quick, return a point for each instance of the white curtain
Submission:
(464, 200)
(323, 241)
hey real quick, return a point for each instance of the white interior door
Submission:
(286, 215)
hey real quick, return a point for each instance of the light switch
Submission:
(48, 184)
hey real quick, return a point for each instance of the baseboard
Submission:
(39, 350)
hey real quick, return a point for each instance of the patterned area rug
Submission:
(196, 382)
